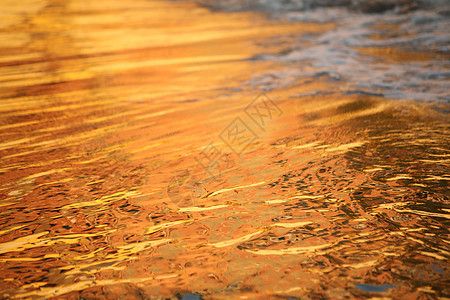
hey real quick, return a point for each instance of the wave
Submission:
(366, 6)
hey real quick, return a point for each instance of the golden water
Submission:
(120, 176)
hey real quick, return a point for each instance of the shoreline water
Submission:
(364, 6)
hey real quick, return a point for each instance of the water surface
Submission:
(155, 149)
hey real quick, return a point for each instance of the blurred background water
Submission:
(365, 52)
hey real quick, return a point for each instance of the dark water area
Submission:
(397, 49)
(365, 6)
(224, 149)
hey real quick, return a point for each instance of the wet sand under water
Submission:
(140, 160)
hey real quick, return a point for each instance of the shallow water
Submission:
(155, 149)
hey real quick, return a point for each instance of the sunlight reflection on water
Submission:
(140, 157)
